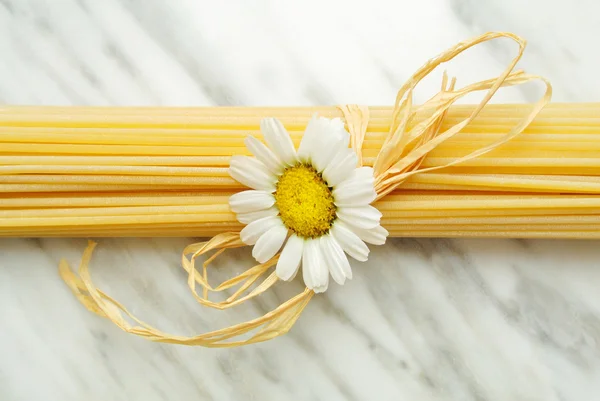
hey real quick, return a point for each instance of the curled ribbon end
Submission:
(270, 325)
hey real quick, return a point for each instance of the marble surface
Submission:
(422, 320)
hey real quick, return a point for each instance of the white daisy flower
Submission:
(316, 196)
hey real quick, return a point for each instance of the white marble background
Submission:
(422, 320)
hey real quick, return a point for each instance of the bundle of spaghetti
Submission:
(102, 171)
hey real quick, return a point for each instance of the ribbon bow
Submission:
(400, 157)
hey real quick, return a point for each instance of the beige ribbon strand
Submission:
(394, 164)
(271, 325)
(357, 121)
(400, 157)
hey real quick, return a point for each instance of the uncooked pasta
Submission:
(100, 171)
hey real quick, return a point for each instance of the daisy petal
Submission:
(364, 217)
(337, 129)
(279, 140)
(247, 218)
(338, 264)
(353, 196)
(324, 154)
(264, 154)
(269, 243)
(253, 231)
(328, 147)
(357, 190)
(349, 241)
(252, 173)
(364, 172)
(250, 201)
(375, 236)
(314, 270)
(309, 139)
(289, 260)
(345, 134)
(359, 175)
(339, 168)
(321, 140)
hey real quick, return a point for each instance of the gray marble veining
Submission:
(422, 320)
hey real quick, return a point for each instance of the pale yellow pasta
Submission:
(106, 171)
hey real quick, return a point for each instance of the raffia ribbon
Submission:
(400, 157)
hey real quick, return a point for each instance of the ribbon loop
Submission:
(270, 325)
(394, 164)
(221, 243)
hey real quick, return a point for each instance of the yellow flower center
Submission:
(304, 201)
